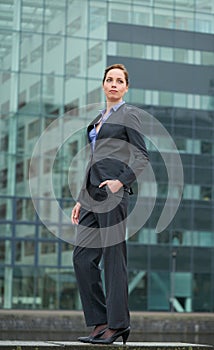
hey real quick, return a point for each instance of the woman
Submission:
(118, 156)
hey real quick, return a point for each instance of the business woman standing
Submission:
(118, 156)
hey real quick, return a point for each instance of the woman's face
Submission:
(115, 85)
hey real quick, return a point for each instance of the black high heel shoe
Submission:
(91, 337)
(124, 333)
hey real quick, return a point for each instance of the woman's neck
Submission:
(110, 104)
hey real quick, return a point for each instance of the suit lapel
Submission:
(91, 125)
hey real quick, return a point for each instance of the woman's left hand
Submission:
(113, 185)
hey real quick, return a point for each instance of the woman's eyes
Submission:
(119, 81)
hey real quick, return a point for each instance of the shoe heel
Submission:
(125, 336)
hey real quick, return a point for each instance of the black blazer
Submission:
(120, 151)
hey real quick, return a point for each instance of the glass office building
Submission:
(53, 54)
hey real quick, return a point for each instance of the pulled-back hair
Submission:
(118, 66)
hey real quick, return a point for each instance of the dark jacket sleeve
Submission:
(138, 151)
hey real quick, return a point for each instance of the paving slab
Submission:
(51, 345)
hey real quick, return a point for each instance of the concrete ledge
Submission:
(63, 325)
(49, 345)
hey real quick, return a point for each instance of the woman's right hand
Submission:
(75, 213)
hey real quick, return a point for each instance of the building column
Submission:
(12, 132)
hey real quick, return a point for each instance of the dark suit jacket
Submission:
(120, 151)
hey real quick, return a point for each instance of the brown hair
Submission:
(119, 66)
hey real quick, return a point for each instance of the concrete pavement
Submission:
(51, 345)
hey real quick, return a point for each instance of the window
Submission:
(162, 190)
(36, 54)
(181, 144)
(66, 192)
(73, 148)
(29, 209)
(48, 247)
(180, 55)
(19, 206)
(166, 53)
(166, 98)
(35, 89)
(53, 41)
(2, 251)
(3, 211)
(33, 129)
(94, 96)
(72, 108)
(49, 161)
(21, 138)
(18, 251)
(72, 68)
(97, 17)
(3, 178)
(124, 49)
(23, 63)
(163, 237)
(49, 86)
(5, 107)
(176, 237)
(206, 147)
(29, 248)
(50, 122)
(180, 100)
(33, 167)
(19, 172)
(207, 58)
(22, 99)
(74, 26)
(65, 246)
(66, 195)
(206, 193)
(120, 16)
(5, 76)
(95, 54)
(4, 143)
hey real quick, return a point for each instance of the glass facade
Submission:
(53, 54)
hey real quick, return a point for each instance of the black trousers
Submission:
(101, 236)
